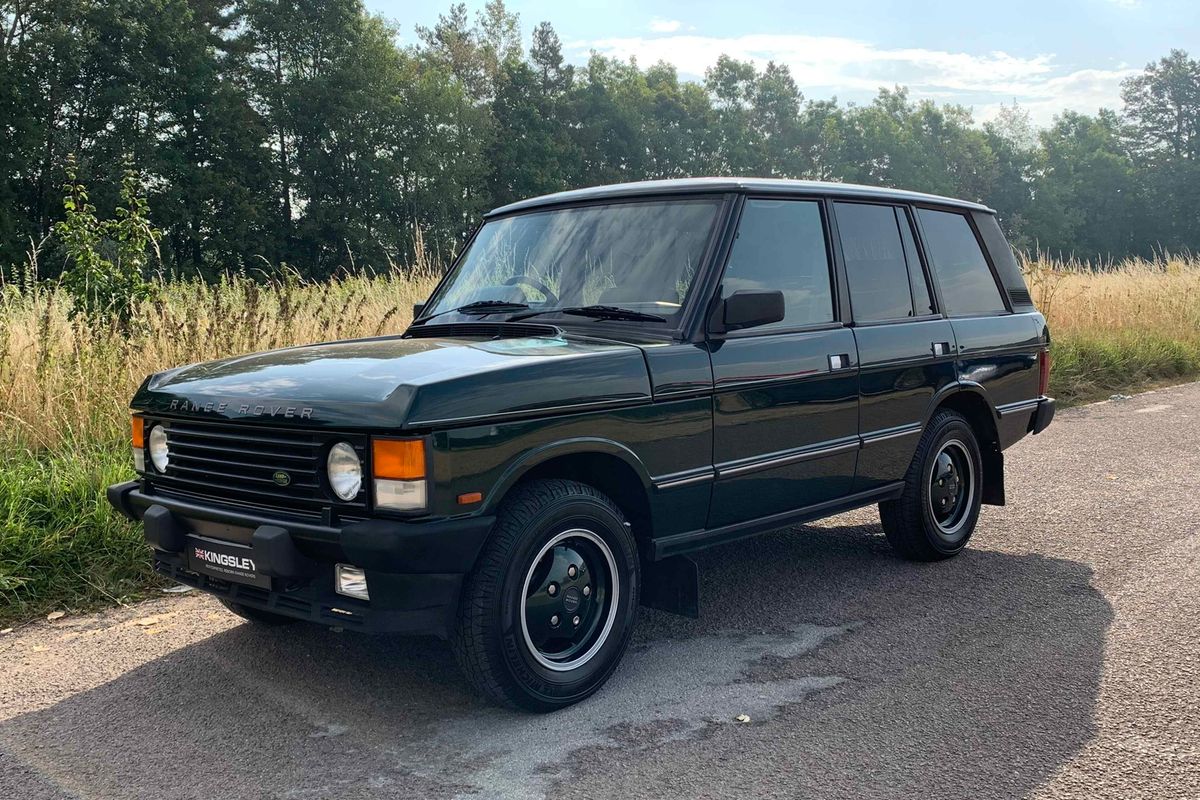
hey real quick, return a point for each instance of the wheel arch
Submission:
(608, 466)
(971, 401)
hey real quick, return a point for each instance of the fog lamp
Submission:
(351, 581)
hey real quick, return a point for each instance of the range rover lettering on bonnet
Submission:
(245, 409)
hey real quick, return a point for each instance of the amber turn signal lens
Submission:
(398, 459)
(139, 438)
(470, 498)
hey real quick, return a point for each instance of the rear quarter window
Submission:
(967, 284)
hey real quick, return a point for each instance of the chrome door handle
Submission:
(941, 348)
(839, 361)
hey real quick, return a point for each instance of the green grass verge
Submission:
(1088, 368)
(63, 547)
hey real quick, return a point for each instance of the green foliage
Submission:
(60, 541)
(298, 131)
(1091, 367)
(106, 258)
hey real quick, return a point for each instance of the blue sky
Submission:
(1046, 55)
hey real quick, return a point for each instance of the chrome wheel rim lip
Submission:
(966, 495)
(613, 601)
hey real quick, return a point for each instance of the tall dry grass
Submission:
(65, 380)
(1119, 327)
(1162, 296)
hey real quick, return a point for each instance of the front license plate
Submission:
(224, 560)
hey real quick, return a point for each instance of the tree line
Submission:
(300, 132)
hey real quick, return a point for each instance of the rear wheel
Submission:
(935, 516)
(257, 615)
(546, 615)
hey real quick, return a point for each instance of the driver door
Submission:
(786, 409)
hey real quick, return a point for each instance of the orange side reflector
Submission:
(469, 498)
(139, 439)
(398, 459)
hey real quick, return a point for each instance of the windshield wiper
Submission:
(595, 312)
(481, 307)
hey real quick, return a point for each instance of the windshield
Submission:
(641, 257)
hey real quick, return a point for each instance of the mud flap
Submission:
(992, 490)
(672, 585)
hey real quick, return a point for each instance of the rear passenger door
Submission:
(905, 347)
(997, 349)
(785, 427)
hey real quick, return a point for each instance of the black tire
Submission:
(506, 640)
(914, 528)
(257, 615)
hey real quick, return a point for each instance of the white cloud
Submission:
(832, 65)
(1085, 90)
(660, 25)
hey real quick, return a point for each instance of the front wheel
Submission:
(935, 516)
(548, 610)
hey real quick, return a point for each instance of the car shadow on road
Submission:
(980, 673)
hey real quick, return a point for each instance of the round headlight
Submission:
(345, 471)
(159, 454)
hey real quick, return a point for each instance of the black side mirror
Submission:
(750, 308)
(418, 310)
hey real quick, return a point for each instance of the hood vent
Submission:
(485, 330)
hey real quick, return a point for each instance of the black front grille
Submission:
(242, 465)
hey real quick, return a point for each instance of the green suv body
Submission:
(605, 381)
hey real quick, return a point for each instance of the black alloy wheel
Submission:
(936, 514)
(570, 600)
(547, 612)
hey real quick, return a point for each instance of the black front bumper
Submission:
(414, 569)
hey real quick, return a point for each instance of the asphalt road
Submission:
(1057, 657)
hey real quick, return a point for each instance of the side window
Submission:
(962, 271)
(876, 263)
(922, 303)
(781, 246)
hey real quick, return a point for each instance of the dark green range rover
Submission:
(605, 381)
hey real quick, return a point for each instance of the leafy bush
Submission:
(107, 259)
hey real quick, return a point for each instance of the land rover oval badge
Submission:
(281, 478)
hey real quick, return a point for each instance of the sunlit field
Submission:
(65, 382)
(1120, 328)
(65, 385)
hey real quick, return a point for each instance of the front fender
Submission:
(583, 445)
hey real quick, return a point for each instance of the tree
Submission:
(1162, 106)
(1085, 195)
(299, 131)
(1013, 140)
(732, 85)
(775, 123)
(106, 259)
